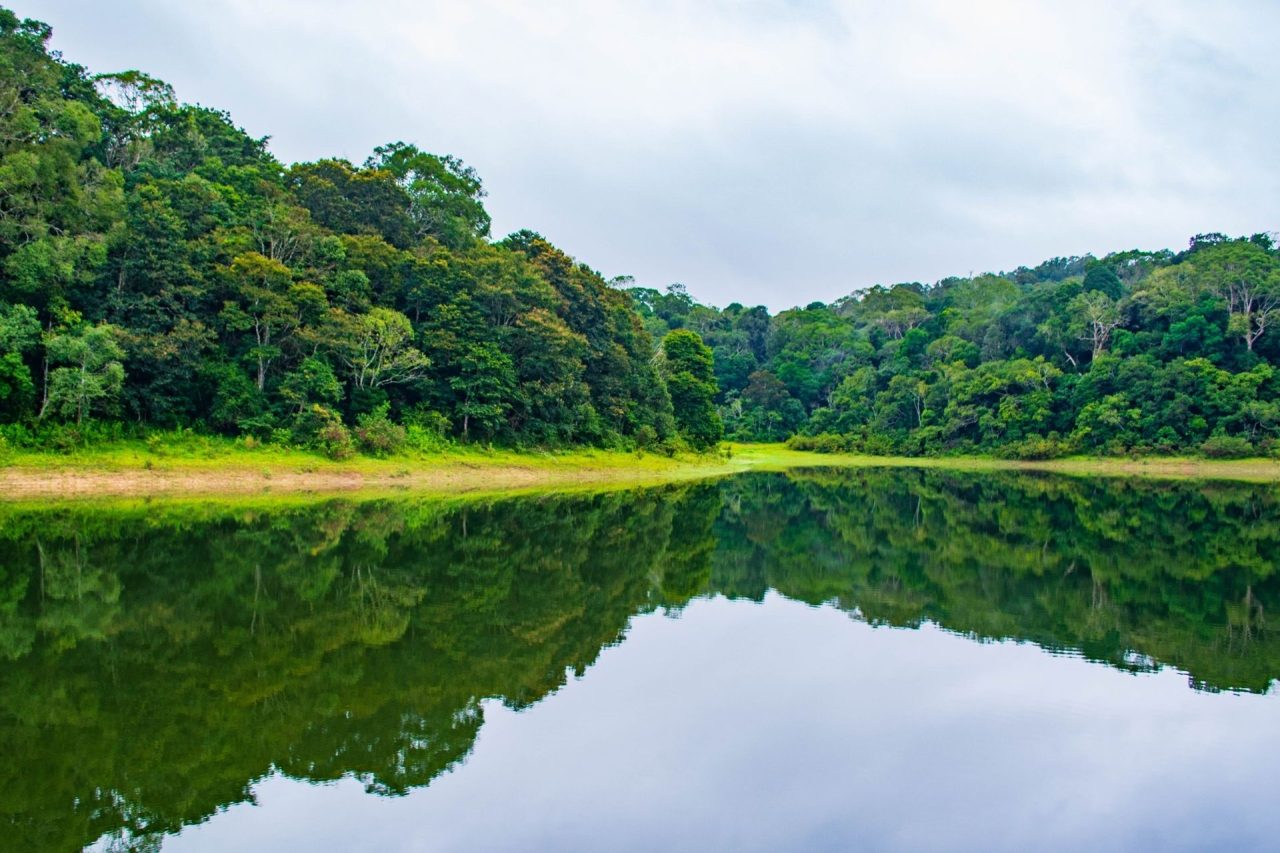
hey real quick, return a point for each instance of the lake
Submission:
(817, 660)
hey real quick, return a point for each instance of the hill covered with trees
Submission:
(160, 269)
(1133, 352)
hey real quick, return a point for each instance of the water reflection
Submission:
(157, 663)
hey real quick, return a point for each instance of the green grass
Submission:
(780, 457)
(190, 452)
(184, 463)
(175, 464)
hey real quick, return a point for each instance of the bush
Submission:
(646, 437)
(424, 441)
(878, 445)
(671, 445)
(1035, 447)
(426, 431)
(64, 438)
(827, 442)
(334, 441)
(427, 420)
(377, 435)
(1227, 447)
(260, 426)
(323, 430)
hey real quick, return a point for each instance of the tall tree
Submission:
(687, 367)
(445, 195)
(1247, 277)
(378, 350)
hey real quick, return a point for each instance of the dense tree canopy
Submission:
(1134, 352)
(158, 267)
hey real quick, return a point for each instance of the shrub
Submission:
(827, 442)
(427, 420)
(878, 445)
(1227, 447)
(671, 445)
(334, 441)
(646, 437)
(260, 426)
(377, 435)
(1035, 447)
(64, 438)
(323, 430)
(423, 440)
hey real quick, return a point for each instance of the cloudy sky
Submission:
(765, 151)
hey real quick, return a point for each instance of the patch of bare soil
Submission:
(31, 483)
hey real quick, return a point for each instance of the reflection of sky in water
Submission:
(745, 726)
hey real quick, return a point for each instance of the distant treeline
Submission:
(160, 269)
(1136, 352)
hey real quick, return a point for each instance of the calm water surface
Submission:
(817, 660)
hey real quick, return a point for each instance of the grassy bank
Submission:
(213, 467)
(197, 466)
(1260, 470)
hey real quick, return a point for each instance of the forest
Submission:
(161, 270)
(1133, 353)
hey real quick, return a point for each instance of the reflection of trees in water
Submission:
(156, 668)
(156, 664)
(1124, 572)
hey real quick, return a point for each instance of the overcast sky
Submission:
(775, 151)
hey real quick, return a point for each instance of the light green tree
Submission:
(377, 348)
(88, 373)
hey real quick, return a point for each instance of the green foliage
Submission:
(687, 369)
(322, 429)
(444, 194)
(86, 373)
(19, 334)
(312, 382)
(244, 295)
(1138, 352)
(484, 385)
(1227, 447)
(377, 435)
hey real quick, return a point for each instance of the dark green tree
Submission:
(687, 368)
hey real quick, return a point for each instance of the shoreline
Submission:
(137, 474)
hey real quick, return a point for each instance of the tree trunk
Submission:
(44, 395)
